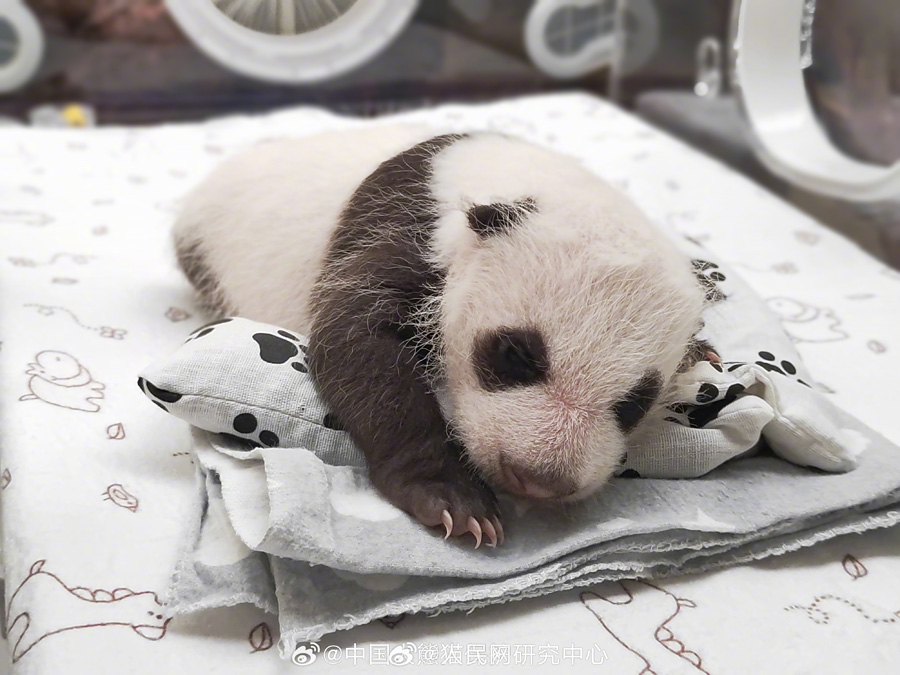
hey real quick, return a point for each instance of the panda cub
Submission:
(483, 313)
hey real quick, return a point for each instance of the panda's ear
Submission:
(487, 220)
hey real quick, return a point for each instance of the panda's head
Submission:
(563, 317)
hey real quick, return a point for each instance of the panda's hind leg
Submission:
(193, 262)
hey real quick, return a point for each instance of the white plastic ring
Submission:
(324, 53)
(790, 140)
(593, 54)
(26, 48)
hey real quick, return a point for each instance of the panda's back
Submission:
(260, 224)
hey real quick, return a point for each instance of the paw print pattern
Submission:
(203, 331)
(247, 424)
(769, 362)
(710, 400)
(786, 368)
(244, 423)
(157, 395)
(332, 422)
(709, 276)
(281, 348)
(626, 473)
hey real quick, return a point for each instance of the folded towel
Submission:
(384, 564)
(297, 529)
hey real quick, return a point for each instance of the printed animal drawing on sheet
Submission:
(27, 218)
(115, 432)
(59, 379)
(876, 346)
(637, 615)
(43, 605)
(75, 258)
(260, 637)
(806, 323)
(825, 607)
(102, 331)
(853, 567)
(176, 314)
(119, 496)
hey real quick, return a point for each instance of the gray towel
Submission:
(298, 530)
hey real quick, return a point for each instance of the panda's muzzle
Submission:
(530, 483)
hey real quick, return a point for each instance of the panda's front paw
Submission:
(698, 350)
(459, 508)
(454, 499)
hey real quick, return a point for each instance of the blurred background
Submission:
(672, 62)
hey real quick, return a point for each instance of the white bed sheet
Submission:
(97, 487)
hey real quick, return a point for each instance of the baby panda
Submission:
(483, 313)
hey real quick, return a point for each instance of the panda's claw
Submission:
(447, 521)
(475, 529)
(488, 528)
(455, 505)
(499, 527)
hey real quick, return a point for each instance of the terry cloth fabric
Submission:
(286, 518)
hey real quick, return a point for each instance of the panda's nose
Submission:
(530, 483)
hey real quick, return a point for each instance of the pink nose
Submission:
(523, 482)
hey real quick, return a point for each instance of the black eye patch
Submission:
(510, 357)
(630, 409)
(493, 219)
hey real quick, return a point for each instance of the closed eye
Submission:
(631, 408)
(510, 357)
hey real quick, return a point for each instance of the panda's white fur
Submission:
(589, 271)
(610, 293)
(280, 196)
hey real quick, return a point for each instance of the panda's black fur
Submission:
(363, 310)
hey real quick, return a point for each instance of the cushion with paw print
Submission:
(249, 380)
(757, 394)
